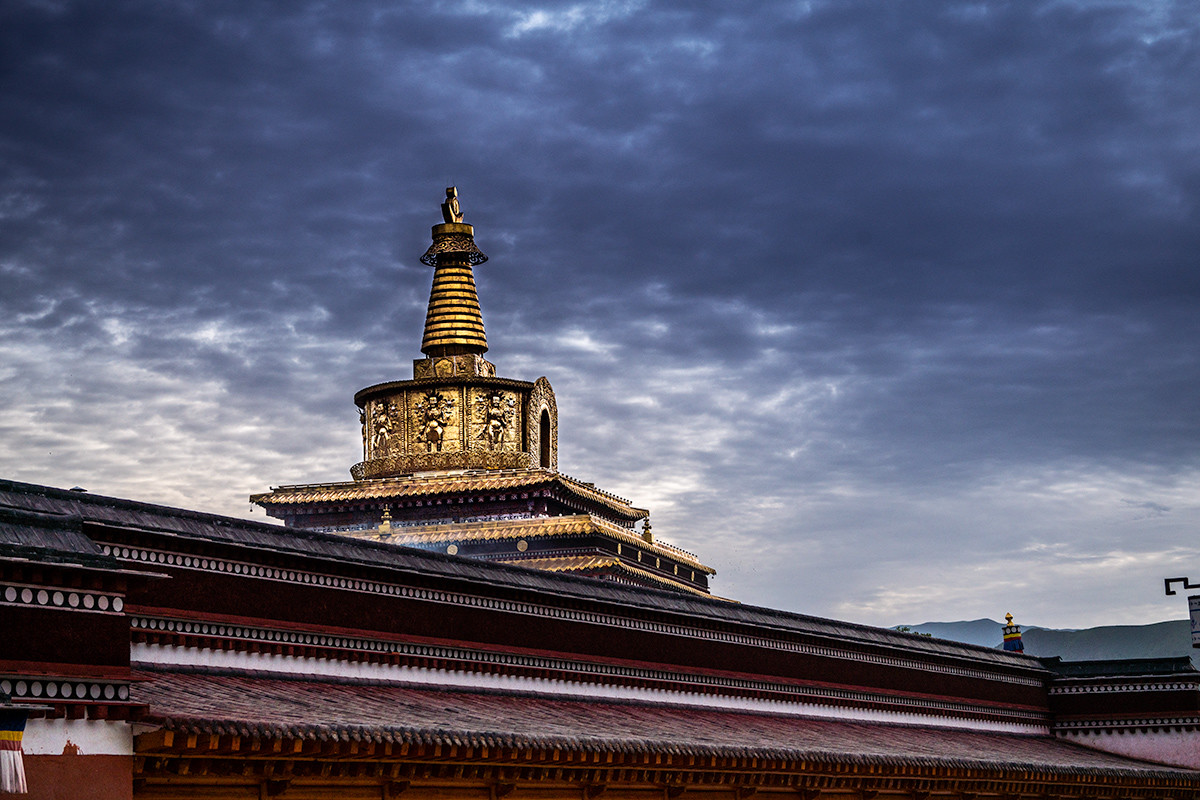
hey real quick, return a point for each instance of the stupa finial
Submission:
(453, 324)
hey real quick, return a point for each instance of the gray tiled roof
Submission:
(265, 706)
(48, 537)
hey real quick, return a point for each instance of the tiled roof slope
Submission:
(435, 485)
(263, 706)
(50, 537)
(483, 576)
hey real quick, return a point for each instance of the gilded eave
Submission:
(405, 487)
(590, 564)
(534, 528)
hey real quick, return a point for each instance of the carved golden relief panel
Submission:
(383, 427)
(495, 420)
(482, 366)
(435, 420)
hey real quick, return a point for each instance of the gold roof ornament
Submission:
(453, 323)
(450, 209)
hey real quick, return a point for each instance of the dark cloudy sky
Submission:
(887, 310)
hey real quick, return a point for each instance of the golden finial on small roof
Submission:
(385, 523)
(646, 534)
(1008, 618)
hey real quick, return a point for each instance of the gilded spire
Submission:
(453, 323)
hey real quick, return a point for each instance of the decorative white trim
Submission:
(1103, 725)
(92, 737)
(267, 665)
(535, 610)
(1110, 688)
(25, 687)
(65, 598)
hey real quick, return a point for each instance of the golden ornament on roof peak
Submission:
(451, 212)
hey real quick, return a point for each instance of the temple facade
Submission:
(465, 462)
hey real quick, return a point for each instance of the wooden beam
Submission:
(153, 741)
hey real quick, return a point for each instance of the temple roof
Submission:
(264, 706)
(446, 484)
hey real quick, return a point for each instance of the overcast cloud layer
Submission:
(886, 310)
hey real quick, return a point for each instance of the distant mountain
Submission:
(1159, 640)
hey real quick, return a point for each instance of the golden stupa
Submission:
(462, 461)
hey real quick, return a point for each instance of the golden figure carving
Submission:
(434, 412)
(381, 427)
(496, 418)
(499, 418)
(450, 209)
